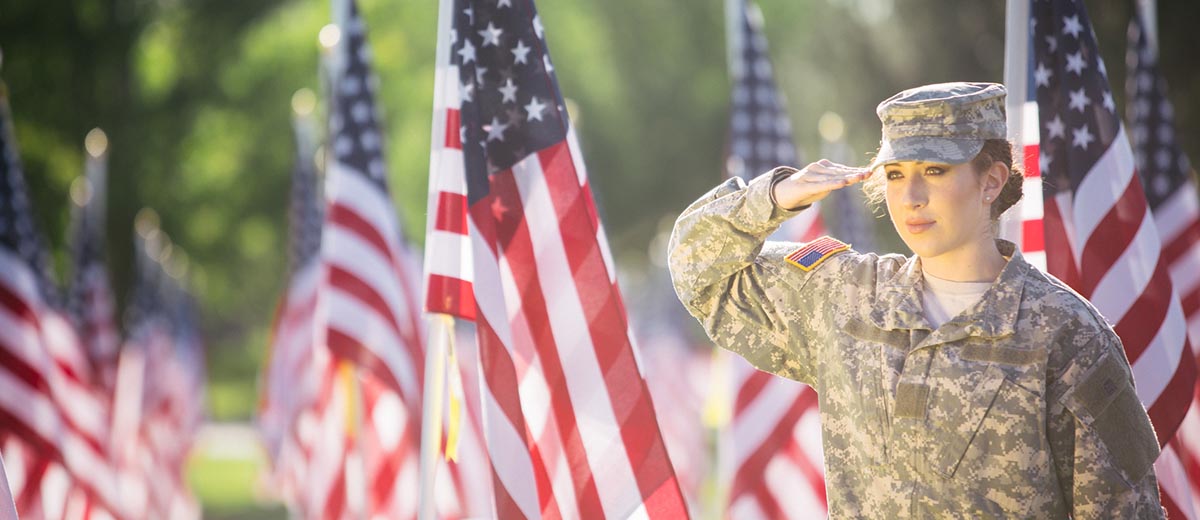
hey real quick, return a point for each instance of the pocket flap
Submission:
(864, 331)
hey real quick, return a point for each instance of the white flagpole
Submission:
(1016, 72)
(1149, 11)
(442, 325)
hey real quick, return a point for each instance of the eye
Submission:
(934, 170)
(894, 174)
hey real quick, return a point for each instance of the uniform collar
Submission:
(898, 305)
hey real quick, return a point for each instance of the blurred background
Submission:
(195, 97)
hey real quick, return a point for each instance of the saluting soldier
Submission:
(960, 382)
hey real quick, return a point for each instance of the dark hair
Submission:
(1000, 150)
(994, 150)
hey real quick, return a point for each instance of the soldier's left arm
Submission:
(1103, 444)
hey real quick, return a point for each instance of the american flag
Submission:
(90, 298)
(47, 408)
(1099, 233)
(290, 380)
(515, 243)
(1170, 187)
(368, 300)
(367, 296)
(760, 133)
(771, 463)
(157, 434)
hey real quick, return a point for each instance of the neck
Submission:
(981, 262)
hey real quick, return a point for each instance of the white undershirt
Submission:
(945, 299)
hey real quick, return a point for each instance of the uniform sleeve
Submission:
(734, 285)
(1103, 444)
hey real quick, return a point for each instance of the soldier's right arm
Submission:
(734, 285)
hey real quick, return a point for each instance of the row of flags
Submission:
(546, 398)
(93, 425)
(549, 406)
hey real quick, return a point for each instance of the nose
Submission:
(915, 193)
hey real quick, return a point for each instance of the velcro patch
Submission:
(810, 255)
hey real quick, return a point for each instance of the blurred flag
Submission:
(90, 298)
(290, 379)
(48, 411)
(158, 423)
(769, 443)
(367, 302)
(760, 133)
(1108, 247)
(515, 243)
(1170, 187)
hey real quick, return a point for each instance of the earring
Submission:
(988, 198)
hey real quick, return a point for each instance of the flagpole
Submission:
(431, 411)
(1016, 71)
(1148, 9)
(442, 325)
(1016, 64)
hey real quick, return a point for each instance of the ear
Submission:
(994, 179)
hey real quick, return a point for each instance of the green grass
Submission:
(231, 487)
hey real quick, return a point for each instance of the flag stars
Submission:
(1055, 128)
(1042, 75)
(504, 3)
(1079, 100)
(343, 146)
(1108, 102)
(509, 92)
(1072, 26)
(360, 112)
(1076, 62)
(491, 35)
(1052, 42)
(467, 52)
(1044, 162)
(1162, 158)
(514, 118)
(534, 109)
(1081, 137)
(470, 12)
(495, 130)
(369, 141)
(468, 91)
(480, 72)
(537, 27)
(546, 63)
(521, 53)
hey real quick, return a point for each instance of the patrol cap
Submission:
(943, 123)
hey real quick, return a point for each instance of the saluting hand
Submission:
(815, 181)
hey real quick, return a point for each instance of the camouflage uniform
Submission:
(1023, 406)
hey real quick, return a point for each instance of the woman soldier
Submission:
(959, 382)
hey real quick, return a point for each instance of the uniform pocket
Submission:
(964, 410)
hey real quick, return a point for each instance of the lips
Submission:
(917, 226)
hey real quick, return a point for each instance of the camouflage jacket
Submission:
(1023, 406)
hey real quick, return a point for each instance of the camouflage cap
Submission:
(943, 123)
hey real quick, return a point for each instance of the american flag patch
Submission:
(809, 256)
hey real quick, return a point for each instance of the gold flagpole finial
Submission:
(96, 143)
(329, 37)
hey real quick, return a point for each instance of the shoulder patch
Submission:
(810, 255)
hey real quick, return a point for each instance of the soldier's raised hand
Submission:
(815, 181)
